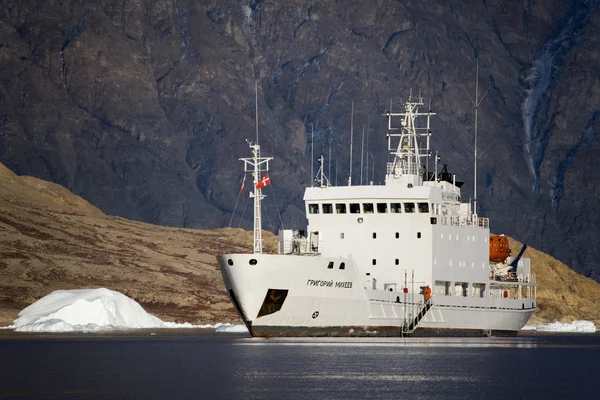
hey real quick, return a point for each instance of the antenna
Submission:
(312, 154)
(329, 160)
(351, 138)
(336, 174)
(362, 152)
(475, 150)
(367, 151)
(476, 104)
(256, 109)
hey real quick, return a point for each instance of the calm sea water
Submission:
(195, 365)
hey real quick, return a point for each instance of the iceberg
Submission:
(84, 310)
(95, 310)
(573, 327)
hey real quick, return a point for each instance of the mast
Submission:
(256, 165)
(406, 168)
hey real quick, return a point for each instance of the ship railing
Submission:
(416, 312)
(482, 222)
(403, 168)
(511, 277)
(302, 246)
(462, 220)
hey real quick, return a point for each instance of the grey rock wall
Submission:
(143, 107)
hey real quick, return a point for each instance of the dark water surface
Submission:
(200, 365)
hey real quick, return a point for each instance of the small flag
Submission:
(265, 181)
(243, 184)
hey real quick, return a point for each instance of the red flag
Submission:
(243, 184)
(265, 181)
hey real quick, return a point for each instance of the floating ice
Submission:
(93, 310)
(84, 310)
(574, 327)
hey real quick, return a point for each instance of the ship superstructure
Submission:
(407, 257)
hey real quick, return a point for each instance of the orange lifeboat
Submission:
(499, 249)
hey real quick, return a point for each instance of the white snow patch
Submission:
(93, 310)
(573, 327)
(247, 12)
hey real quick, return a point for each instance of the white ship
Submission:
(399, 259)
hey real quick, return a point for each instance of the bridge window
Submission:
(343, 266)
(368, 208)
(461, 289)
(409, 207)
(478, 289)
(354, 208)
(381, 208)
(313, 208)
(396, 208)
(423, 207)
(442, 288)
(340, 208)
(330, 265)
(327, 208)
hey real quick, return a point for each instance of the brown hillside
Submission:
(563, 295)
(51, 239)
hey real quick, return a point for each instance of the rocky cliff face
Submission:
(142, 107)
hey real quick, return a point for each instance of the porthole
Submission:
(360, 220)
(230, 261)
(253, 261)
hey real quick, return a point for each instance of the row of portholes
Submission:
(252, 261)
(397, 235)
(342, 265)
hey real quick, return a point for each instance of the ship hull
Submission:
(286, 295)
(371, 331)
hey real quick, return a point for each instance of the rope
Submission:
(276, 207)
(269, 218)
(243, 213)
(236, 200)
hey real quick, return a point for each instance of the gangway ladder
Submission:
(409, 327)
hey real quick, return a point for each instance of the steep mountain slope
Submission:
(142, 107)
(51, 239)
